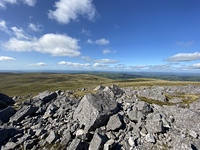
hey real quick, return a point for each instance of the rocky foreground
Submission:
(110, 119)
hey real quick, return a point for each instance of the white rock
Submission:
(131, 141)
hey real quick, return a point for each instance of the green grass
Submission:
(26, 83)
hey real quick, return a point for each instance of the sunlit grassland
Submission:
(26, 83)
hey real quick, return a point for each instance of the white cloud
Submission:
(86, 32)
(6, 58)
(76, 65)
(35, 28)
(98, 65)
(54, 44)
(3, 26)
(106, 61)
(184, 57)
(106, 51)
(39, 64)
(28, 2)
(68, 10)
(102, 42)
(195, 66)
(20, 33)
(89, 41)
(185, 44)
(139, 67)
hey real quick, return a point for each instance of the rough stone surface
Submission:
(51, 137)
(111, 119)
(23, 112)
(6, 113)
(94, 110)
(114, 122)
(97, 142)
(6, 99)
(76, 145)
(150, 138)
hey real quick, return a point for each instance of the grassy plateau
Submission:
(23, 84)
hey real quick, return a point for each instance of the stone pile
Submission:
(110, 119)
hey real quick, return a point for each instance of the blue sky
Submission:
(114, 35)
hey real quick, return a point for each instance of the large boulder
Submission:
(6, 134)
(6, 99)
(94, 110)
(6, 113)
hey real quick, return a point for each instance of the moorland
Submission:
(23, 84)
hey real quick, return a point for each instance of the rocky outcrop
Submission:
(112, 118)
(94, 110)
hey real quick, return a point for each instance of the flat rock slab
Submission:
(23, 112)
(94, 110)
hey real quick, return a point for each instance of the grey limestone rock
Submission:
(97, 142)
(99, 88)
(6, 99)
(114, 123)
(44, 97)
(150, 138)
(6, 133)
(156, 93)
(109, 145)
(133, 114)
(76, 144)
(23, 112)
(144, 107)
(6, 113)
(94, 110)
(154, 123)
(51, 137)
(9, 146)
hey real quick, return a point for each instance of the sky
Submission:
(103, 35)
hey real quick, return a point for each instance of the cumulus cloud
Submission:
(39, 64)
(6, 58)
(76, 65)
(139, 67)
(106, 61)
(54, 44)
(68, 10)
(106, 51)
(98, 65)
(195, 66)
(184, 57)
(185, 44)
(3, 3)
(35, 28)
(102, 42)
